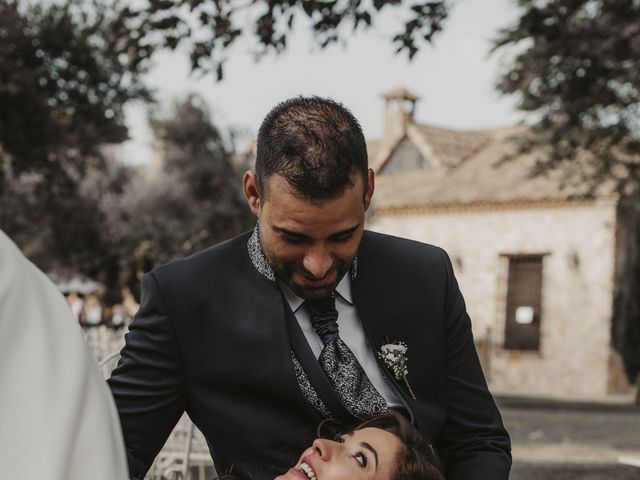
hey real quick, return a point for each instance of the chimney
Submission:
(399, 107)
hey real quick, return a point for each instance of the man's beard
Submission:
(284, 273)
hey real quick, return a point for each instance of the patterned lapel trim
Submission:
(258, 258)
(261, 264)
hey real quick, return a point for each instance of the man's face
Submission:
(310, 246)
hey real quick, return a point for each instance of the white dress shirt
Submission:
(57, 418)
(351, 333)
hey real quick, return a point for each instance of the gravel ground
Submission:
(528, 471)
(572, 441)
(614, 428)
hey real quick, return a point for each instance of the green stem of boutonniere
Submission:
(406, 382)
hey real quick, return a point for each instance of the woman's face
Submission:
(366, 454)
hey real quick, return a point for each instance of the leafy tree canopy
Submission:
(188, 200)
(66, 72)
(578, 69)
(212, 26)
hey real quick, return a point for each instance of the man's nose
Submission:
(317, 261)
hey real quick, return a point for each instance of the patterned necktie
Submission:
(357, 393)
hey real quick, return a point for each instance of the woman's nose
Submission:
(324, 448)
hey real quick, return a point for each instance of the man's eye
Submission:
(361, 459)
(342, 238)
(292, 240)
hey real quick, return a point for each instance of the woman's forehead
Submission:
(385, 443)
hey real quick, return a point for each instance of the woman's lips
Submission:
(298, 474)
(307, 461)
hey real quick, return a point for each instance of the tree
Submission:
(66, 72)
(65, 234)
(577, 68)
(212, 26)
(188, 201)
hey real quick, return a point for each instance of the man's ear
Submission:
(368, 193)
(251, 191)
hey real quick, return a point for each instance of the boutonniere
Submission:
(394, 356)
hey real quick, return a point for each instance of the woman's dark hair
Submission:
(416, 460)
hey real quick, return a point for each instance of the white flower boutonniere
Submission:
(394, 356)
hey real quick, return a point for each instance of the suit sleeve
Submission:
(148, 383)
(474, 443)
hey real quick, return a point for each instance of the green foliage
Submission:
(211, 27)
(578, 69)
(66, 72)
(117, 222)
(188, 201)
(62, 229)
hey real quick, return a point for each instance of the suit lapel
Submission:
(267, 325)
(379, 306)
(374, 297)
(371, 305)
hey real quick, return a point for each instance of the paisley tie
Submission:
(355, 390)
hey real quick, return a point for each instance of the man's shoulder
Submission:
(389, 246)
(389, 256)
(213, 258)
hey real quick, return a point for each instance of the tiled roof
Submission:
(474, 170)
(448, 147)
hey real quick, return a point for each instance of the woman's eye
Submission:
(361, 459)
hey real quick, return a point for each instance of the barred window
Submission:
(524, 301)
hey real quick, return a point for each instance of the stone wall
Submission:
(578, 241)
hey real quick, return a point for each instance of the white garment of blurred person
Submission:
(92, 311)
(57, 418)
(76, 304)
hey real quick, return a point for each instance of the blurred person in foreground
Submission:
(306, 317)
(57, 418)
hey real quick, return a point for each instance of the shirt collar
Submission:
(295, 302)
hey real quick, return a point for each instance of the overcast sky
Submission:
(454, 77)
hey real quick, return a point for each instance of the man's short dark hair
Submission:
(315, 143)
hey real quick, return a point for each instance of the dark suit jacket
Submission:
(210, 338)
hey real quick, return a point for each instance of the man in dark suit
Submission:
(232, 334)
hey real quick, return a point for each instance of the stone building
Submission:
(539, 265)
